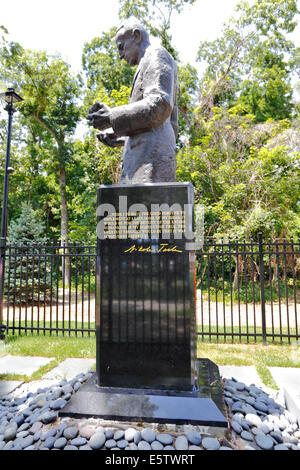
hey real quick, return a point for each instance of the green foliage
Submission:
(238, 124)
(49, 90)
(253, 61)
(156, 16)
(247, 185)
(49, 113)
(27, 228)
(268, 94)
(103, 68)
(187, 97)
(93, 164)
(243, 164)
(29, 271)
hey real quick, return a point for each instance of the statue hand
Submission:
(110, 138)
(95, 107)
(99, 116)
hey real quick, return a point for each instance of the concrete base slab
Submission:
(245, 374)
(288, 379)
(7, 386)
(22, 365)
(69, 368)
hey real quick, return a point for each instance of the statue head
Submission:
(132, 39)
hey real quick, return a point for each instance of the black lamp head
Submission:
(10, 96)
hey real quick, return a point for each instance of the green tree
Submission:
(27, 228)
(34, 179)
(50, 110)
(93, 164)
(156, 16)
(187, 99)
(252, 62)
(245, 174)
(103, 67)
(27, 269)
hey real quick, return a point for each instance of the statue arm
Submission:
(111, 139)
(156, 105)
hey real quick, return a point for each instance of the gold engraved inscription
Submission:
(163, 248)
(122, 225)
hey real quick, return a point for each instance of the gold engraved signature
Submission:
(163, 248)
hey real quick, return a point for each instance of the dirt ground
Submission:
(283, 315)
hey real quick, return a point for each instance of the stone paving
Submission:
(22, 365)
(246, 374)
(7, 386)
(69, 368)
(288, 379)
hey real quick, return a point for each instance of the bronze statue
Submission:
(147, 126)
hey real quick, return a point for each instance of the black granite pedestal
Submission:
(202, 406)
(146, 339)
(145, 306)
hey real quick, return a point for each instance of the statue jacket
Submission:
(150, 120)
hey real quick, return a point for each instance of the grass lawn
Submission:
(258, 355)
(62, 347)
(58, 347)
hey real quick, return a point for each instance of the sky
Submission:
(64, 26)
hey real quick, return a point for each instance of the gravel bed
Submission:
(29, 420)
(258, 418)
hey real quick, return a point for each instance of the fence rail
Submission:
(249, 290)
(246, 290)
(50, 288)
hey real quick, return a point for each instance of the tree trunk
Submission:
(275, 270)
(239, 268)
(64, 225)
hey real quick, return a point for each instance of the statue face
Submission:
(129, 46)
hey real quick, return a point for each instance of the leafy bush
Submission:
(27, 266)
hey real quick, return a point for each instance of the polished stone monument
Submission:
(145, 314)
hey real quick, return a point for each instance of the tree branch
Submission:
(207, 101)
(42, 123)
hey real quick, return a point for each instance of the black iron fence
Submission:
(50, 289)
(246, 290)
(249, 290)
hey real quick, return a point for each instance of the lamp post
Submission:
(9, 97)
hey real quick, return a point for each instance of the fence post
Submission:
(262, 287)
(3, 327)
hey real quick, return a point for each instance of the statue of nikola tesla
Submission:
(147, 126)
